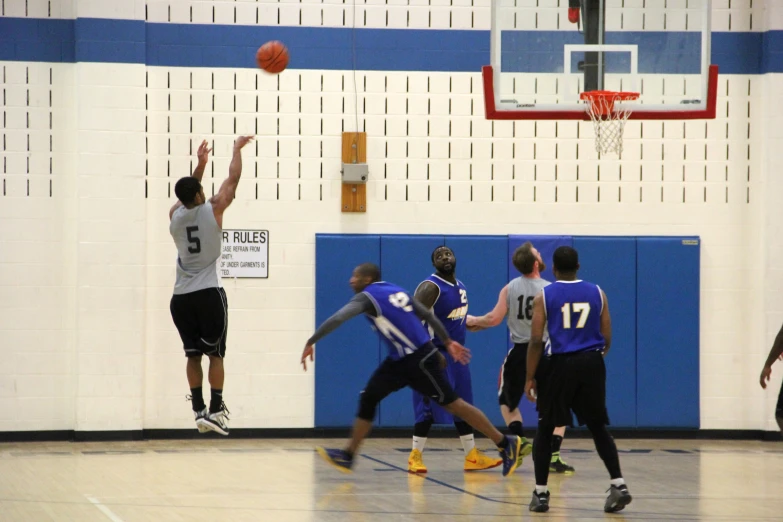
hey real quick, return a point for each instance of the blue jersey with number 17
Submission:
(395, 319)
(573, 314)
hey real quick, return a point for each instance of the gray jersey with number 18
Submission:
(198, 238)
(521, 292)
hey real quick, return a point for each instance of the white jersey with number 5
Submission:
(198, 238)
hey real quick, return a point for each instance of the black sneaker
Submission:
(540, 502)
(558, 465)
(618, 498)
(217, 422)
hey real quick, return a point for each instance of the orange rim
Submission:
(603, 101)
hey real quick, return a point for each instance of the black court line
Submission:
(441, 483)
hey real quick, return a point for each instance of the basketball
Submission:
(272, 57)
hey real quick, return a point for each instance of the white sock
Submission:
(541, 489)
(419, 442)
(617, 482)
(468, 442)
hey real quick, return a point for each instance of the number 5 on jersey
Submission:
(193, 240)
(583, 309)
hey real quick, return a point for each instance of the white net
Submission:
(608, 119)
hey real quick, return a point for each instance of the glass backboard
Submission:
(545, 53)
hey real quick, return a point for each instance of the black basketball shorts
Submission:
(420, 371)
(513, 373)
(201, 317)
(779, 408)
(511, 381)
(573, 382)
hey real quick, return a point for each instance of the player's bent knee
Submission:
(780, 422)
(454, 406)
(368, 403)
(597, 427)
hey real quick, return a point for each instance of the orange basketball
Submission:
(272, 57)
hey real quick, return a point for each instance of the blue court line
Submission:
(444, 484)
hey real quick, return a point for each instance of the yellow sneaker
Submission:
(416, 463)
(525, 450)
(475, 460)
(527, 447)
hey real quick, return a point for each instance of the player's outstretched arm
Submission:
(198, 172)
(228, 189)
(493, 318)
(536, 346)
(606, 324)
(776, 352)
(360, 303)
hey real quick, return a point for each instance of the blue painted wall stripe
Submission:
(35, 40)
(194, 45)
(115, 41)
(771, 52)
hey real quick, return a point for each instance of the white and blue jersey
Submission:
(395, 319)
(573, 313)
(451, 307)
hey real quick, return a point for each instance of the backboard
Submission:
(545, 53)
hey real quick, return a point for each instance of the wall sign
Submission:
(245, 253)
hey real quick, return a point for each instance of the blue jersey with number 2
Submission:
(451, 308)
(573, 315)
(396, 321)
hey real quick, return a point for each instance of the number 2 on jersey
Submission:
(583, 309)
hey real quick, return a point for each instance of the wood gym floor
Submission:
(284, 480)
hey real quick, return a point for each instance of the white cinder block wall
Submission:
(87, 266)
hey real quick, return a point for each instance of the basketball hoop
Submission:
(608, 121)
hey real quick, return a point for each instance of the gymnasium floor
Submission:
(284, 480)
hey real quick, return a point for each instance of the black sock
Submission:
(197, 398)
(516, 428)
(557, 440)
(216, 404)
(422, 429)
(503, 443)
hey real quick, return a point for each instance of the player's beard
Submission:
(449, 271)
(541, 266)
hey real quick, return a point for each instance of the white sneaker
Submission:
(200, 415)
(217, 422)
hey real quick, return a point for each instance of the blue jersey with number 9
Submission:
(395, 319)
(573, 315)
